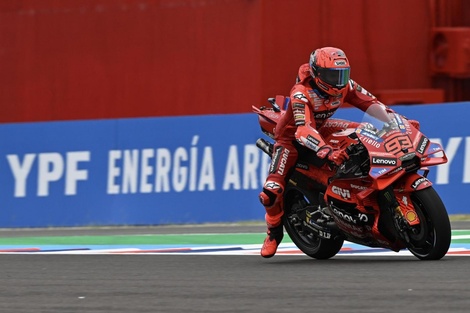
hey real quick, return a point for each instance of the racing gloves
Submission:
(335, 156)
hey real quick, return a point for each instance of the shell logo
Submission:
(411, 216)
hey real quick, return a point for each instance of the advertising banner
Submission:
(173, 170)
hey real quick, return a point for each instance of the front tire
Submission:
(430, 239)
(303, 237)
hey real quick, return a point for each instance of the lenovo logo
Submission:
(383, 161)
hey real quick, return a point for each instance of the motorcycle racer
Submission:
(322, 86)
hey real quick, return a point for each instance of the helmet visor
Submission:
(335, 77)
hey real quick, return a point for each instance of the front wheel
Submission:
(430, 239)
(295, 211)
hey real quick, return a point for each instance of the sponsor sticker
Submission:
(419, 181)
(313, 140)
(383, 161)
(272, 185)
(300, 96)
(422, 144)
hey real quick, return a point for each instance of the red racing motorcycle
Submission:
(380, 197)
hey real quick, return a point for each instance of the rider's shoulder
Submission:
(300, 88)
(303, 73)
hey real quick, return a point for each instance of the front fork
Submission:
(401, 208)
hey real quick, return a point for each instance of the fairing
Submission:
(386, 152)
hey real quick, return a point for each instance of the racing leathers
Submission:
(306, 121)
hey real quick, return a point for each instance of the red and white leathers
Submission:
(307, 121)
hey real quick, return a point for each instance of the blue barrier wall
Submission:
(172, 170)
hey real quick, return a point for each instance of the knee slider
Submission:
(267, 198)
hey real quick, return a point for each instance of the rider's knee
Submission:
(271, 194)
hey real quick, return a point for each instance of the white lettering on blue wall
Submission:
(161, 170)
(192, 168)
(232, 170)
(52, 167)
(254, 168)
(131, 171)
(20, 171)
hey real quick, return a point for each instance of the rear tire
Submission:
(431, 238)
(303, 237)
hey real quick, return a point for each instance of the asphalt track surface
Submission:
(220, 283)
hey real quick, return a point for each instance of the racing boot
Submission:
(273, 239)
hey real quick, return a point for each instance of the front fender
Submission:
(412, 182)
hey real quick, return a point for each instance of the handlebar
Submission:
(265, 146)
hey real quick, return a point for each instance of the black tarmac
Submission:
(202, 283)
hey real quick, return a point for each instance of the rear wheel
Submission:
(304, 237)
(430, 239)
